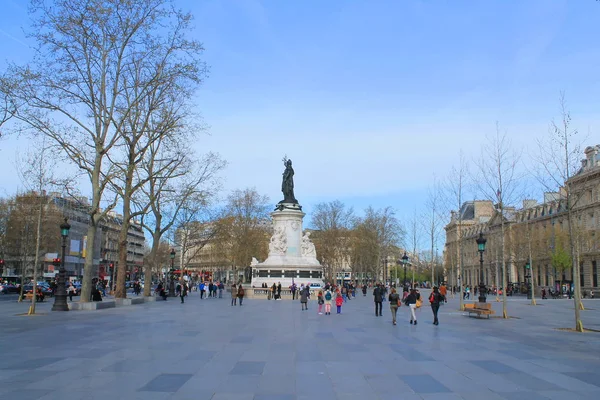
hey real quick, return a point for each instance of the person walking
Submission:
(328, 298)
(304, 298)
(293, 288)
(378, 298)
(201, 288)
(411, 301)
(279, 290)
(240, 294)
(320, 302)
(395, 302)
(435, 299)
(72, 291)
(339, 300)
(364, 290)
(233, 294)
(183, 291)
(444, 292)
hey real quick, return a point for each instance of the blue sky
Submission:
(372, 99)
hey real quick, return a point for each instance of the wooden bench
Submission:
(29, 296)
(479, 309)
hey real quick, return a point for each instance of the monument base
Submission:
(292, 256)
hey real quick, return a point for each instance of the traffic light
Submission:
(112, 265)
(56, 262)
(1, 266)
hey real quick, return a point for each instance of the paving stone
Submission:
(209, 350)
(424, 384)
(248, 368)
(166, 383)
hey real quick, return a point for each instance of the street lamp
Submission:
(172, 283)
(60, 298)
(481, 247)
(404, 263)
(528, 277)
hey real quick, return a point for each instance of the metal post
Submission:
(482, 288)
(481, 247)
(172, 281)
(60, 298)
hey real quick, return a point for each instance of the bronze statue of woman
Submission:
(287, 186)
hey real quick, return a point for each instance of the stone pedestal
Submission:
(292, 256)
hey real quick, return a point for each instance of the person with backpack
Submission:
(320, 302)
(411, 302)
(395, 302)
(435, 299)
(240, 293)
(328, 298)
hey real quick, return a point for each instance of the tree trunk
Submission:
(504, 311)
(148, 266)
(38, 239)
(88, 269)
(121, 292)
(574, 265)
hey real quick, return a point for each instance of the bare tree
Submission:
(333, 221)
(7, 106)
(558, 159)
(415, 236)
(158, 84)
(36, 173)
(386, 232)
(499, 180)
(184, 187)
(456, 183)
(432, 221)
(75, 87)
(247, 228)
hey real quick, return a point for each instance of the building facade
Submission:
(535, 234)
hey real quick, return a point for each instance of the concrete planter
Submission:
(149, 299)
(93, 305)
(129, 301)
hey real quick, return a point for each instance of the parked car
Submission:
(7, 288)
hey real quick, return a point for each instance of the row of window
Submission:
(265, 273)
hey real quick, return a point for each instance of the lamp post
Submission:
(404, 263)
(528, 279)
(60, 298)
(172, 282)
(481, 247)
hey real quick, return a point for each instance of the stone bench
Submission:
(129, 301)
(92, 305)
(479, 309)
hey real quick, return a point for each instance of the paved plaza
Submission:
(271, 350)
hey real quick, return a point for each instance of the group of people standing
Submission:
(210, 289)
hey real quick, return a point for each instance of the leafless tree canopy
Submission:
(109, 77)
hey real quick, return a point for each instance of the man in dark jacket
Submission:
(378, 297)
(435, 298)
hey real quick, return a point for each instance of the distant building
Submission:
(105, 249)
